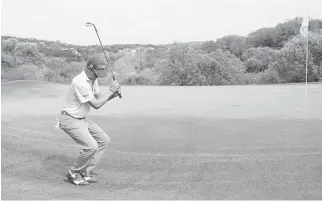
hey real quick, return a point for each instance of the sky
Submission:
(146, 21)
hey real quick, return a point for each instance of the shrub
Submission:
(253, 65)
(222, 68)
(291, 62)
(9, 45)
(258, 59)
(58, 70)
(24, 72)
(9, 60)
(251, 78)
(269, 76)
(137, 80)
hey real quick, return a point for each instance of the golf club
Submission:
(88, 24)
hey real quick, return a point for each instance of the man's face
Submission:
(92, 75)
(101, 73)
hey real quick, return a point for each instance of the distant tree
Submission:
(26, 49)
(315, 46)
(269, 76)
(285, 31)
(208, 46)
(222, 68)
(276, 37)
(234, 44)
(8, 45)
(291, 61)
(254, 65)
(30, 53)
(138, 80)
(258, 59)
(265, 37)
(180, 67)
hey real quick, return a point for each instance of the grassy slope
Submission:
(259, 146)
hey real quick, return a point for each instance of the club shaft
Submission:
(103, 51)
(120, 95)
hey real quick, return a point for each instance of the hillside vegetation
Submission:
(266, 56)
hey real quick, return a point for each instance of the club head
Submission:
(88, 24)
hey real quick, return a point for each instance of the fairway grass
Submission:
(229, 142)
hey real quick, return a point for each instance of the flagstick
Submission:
(307, 53)
(306, 60)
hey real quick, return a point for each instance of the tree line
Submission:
(266, 56)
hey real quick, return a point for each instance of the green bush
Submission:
(290, 62)
(253, 65)
(58, 70)
(137, 80)
(9, 60)
(269, 76)
(251, 78)
(180, 66)
(258, 59)
(24, 72)
(222, 68)
(9, 45)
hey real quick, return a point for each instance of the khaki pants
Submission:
(90, 136)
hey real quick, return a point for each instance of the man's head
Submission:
(97, 66)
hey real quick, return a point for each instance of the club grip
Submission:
(120, 95)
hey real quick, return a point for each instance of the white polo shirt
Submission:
(82, 90)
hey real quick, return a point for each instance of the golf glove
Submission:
(57, 125)
(114, 86)
(119, 91)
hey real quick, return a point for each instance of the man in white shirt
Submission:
(83, 94)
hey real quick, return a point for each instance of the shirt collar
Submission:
(86, 77)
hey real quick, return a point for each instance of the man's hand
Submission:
(100, 99)
(115, 87)
(119, 91)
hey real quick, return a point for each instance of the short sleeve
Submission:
(83, 93)
(96, 87)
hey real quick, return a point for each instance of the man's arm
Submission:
(98, 95)
(85, 94)
(100, 99)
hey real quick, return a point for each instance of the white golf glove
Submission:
(115, 87)
(57, 125)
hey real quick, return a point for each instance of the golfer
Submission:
(84, 93)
